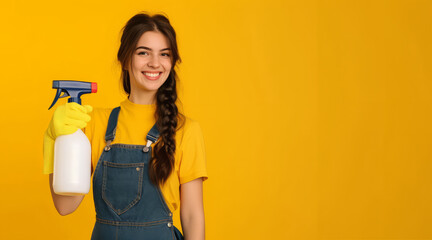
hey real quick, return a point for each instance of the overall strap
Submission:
(152, 137)
(153, 134)
(112, 125)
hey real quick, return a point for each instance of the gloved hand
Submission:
(67, 119)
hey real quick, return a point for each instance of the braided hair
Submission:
(166, 114)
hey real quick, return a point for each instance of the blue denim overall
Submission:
(128, 206)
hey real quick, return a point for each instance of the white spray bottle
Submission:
(72, 152)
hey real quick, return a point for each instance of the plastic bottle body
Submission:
(72, 164)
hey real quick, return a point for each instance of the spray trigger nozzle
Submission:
(72, 89)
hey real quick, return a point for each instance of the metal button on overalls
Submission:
(128, 206)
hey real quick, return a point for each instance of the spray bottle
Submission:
(72, 152)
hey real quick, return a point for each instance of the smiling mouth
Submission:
(152, 74)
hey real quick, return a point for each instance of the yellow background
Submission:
(316, 114)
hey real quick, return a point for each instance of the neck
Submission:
(144, 97)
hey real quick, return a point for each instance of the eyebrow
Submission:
(147, 48)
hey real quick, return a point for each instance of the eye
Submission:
(166, 54)
(141, 52)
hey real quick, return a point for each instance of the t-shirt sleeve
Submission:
(89, 130)
(193, 160)
(95, 132)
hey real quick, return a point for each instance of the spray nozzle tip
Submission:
(93, 87)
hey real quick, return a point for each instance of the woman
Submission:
(146, 155)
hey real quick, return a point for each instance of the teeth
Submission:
(151, 74)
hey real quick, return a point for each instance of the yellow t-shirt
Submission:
(134, 122)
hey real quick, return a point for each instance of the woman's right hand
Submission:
(68, 118)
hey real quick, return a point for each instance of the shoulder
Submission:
(189, 131)
(99, 116)
(191, 126)
(101, 111)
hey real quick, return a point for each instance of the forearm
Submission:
(64, 204)
(194, 226)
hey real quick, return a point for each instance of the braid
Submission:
(162, 163)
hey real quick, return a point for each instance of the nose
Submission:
(154, 62)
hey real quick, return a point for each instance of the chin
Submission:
(150, 88)
(148, 85)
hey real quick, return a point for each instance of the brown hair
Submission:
(167, 114)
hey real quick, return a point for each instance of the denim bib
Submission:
(128, 205)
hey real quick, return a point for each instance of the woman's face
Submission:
(151, 63)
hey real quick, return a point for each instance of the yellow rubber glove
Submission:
(67, 119)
